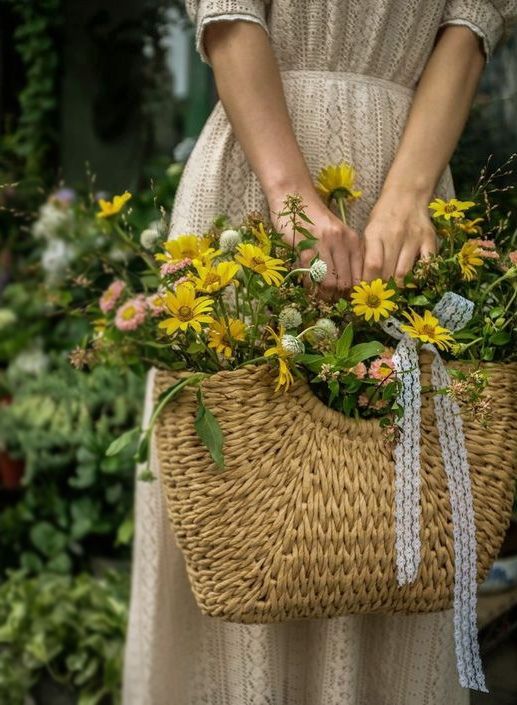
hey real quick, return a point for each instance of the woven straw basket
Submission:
(300, 523)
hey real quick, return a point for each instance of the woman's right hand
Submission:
(338, 244)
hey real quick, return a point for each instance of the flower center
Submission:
(257, 261)
(428, 330)
(188, 254)
(373, 301)
(128, 313)
(212, 278)
(185, 313)
(449, 208)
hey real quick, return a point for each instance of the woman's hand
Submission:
(338, 244)
(399, 231)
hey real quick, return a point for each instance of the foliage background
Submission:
(91, 97)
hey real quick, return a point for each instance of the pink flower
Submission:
(131, 315)
(111, 295)
(513, 257)
(488, 244)
(359, 370)
(363, 400)
(173, 267)
(381, 368)
(155, 305)
(179, 281)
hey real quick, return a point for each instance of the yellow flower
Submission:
(214, 278)
(450, 209)
(256, 259)
(471, 227)
(469, 257)
(109, 208)
(427, 328)
(187, 310)
(372, 300)
(262, 237)
(190, 247)
(221, 337)
(336, 181)
(285, 376)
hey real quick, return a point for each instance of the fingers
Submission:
(429, 246)
(406, 260)
(373, 259)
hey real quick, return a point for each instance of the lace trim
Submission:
(474, 28)
(220, 18)
(454, 312)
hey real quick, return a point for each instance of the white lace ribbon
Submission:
(453, 312)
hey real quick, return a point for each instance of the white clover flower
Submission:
(292, 345)
(7, 317)
(229, 239)
(318, 270)
(290, 317)
(150, 237)
(55, 260)
(51, 220)
(325, 328)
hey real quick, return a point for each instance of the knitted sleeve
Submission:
(491, 20)
(202, 12)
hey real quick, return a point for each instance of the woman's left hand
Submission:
(399, 232)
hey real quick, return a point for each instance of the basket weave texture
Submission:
(300, 523)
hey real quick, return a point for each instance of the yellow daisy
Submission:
(188, 246)
(450, 209)
(262, 237)
(372, 300)
(285, 376)
(214, 278)
(187, 310)
(336, 181)
(222, 337)
(256, 259)
(109, 208)
(427, 328)
(469, 257)
(471, 227)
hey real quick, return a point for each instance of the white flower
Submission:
(229, 239)
(7, 317)
(117, 254)
(318, 270)
(183, 149)
(325, 328)
(292, 345)
(55, 260)
(51, 220)
(150, 237)
(290, 317)
(28, 362)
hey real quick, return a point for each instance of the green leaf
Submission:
(122, 441)
(502, 337)
(194, 348)
(209, 431)
(143, 449)
(488, 355)
(345, 341)
(361, 352)
(125, 532)
(497, 311)
(418, 300)
(307, 233)
(47, 539)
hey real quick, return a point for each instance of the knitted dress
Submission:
(349, 70)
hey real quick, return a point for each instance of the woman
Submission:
(385, 85)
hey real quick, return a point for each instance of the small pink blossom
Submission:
(513, 257)
(179, 281)
(131, 315)
(111, 295)
(155, 305)
(363, 400)
(488, 244)
(173, 267)
(359, 370)
(381, 368)
(378, 404)
(489, 254)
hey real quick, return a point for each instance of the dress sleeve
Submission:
(491, 20)
(202, 12)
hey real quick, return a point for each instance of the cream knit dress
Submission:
(349, 69)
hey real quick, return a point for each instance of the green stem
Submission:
(342, 208)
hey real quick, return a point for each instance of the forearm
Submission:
(438, 114)
(251, 91)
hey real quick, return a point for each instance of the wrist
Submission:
(277, 189)
(418, 192)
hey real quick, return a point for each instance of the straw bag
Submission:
(300, 523)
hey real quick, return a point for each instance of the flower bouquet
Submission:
(306, 447)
